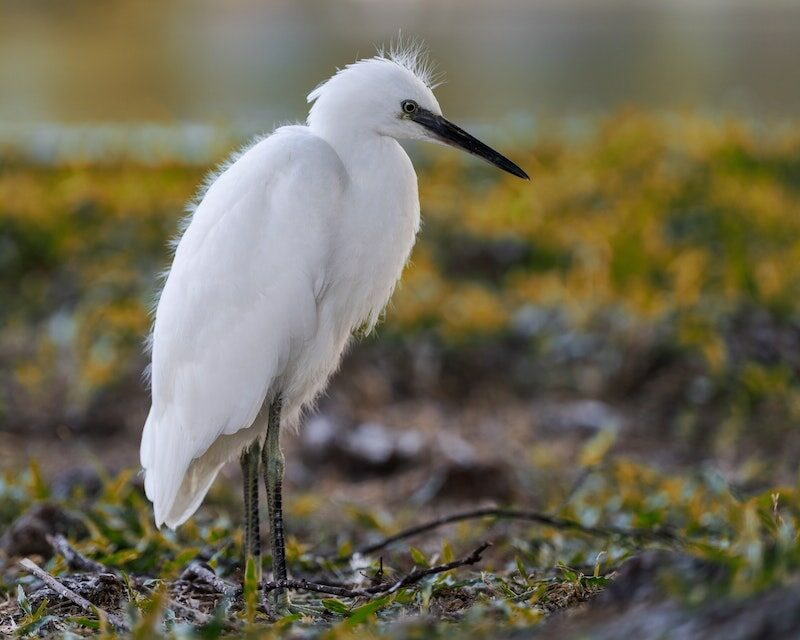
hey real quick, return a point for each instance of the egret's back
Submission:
(240, 300)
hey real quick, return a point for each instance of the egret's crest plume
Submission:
(410, 54)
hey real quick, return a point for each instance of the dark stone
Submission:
(27, 535)
(84, 480)
(366, 449)
(469, 482)
(662, 594)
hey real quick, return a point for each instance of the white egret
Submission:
(295, 243)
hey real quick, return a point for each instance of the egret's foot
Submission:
(282, 607)
(278, 603)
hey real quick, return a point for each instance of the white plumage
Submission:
(296, 243)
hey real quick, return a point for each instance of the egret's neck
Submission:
(361, 150)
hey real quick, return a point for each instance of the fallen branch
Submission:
(196, 571)
(663, 535)
(79, 562)
(68, 594)
(75, 559)
(389, 587)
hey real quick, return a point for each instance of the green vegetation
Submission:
(529, 573)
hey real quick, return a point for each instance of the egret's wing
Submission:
(241, 291)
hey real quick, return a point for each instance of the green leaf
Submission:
(425, 593)
(251, 579)
(40, 609)
(594, 451)
(447, 552)
(597, 562)
(336, 606)
(216, 626)
(117, 488)
(22, 600)
(34, 625)
(568, 573)
(38, 486)
(287, 620)
(596, 581)
(522, 570)
(89, 623)
(180, 561)
(419, 558)
(120, 558)
(345, 549)
(151, 614)
(366, 519)
(405, 596)
(364, 612)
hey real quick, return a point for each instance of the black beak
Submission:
(448, 133)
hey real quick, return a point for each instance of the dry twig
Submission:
(68, 594)
(663, 535)
(75, 559)
(196, 571)
(389, 587)
(78, 562)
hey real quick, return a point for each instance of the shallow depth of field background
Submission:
(617, 341)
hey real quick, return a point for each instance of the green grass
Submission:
(530, 572)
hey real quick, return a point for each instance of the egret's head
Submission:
(391, 95)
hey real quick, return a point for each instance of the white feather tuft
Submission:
(413, 54)
(409, 53)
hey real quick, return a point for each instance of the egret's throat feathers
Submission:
(293, 246)
(390, 97)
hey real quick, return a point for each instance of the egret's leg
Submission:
(250, 460)
(272, 458)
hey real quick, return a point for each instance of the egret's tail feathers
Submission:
(176, 483)
(167, 481)
(177, 492)
(193, 489)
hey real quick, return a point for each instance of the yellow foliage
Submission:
(674, 221)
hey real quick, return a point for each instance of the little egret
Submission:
(295, 243)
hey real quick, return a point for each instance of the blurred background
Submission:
(637, 300)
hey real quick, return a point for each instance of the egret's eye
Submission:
(409, 106)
